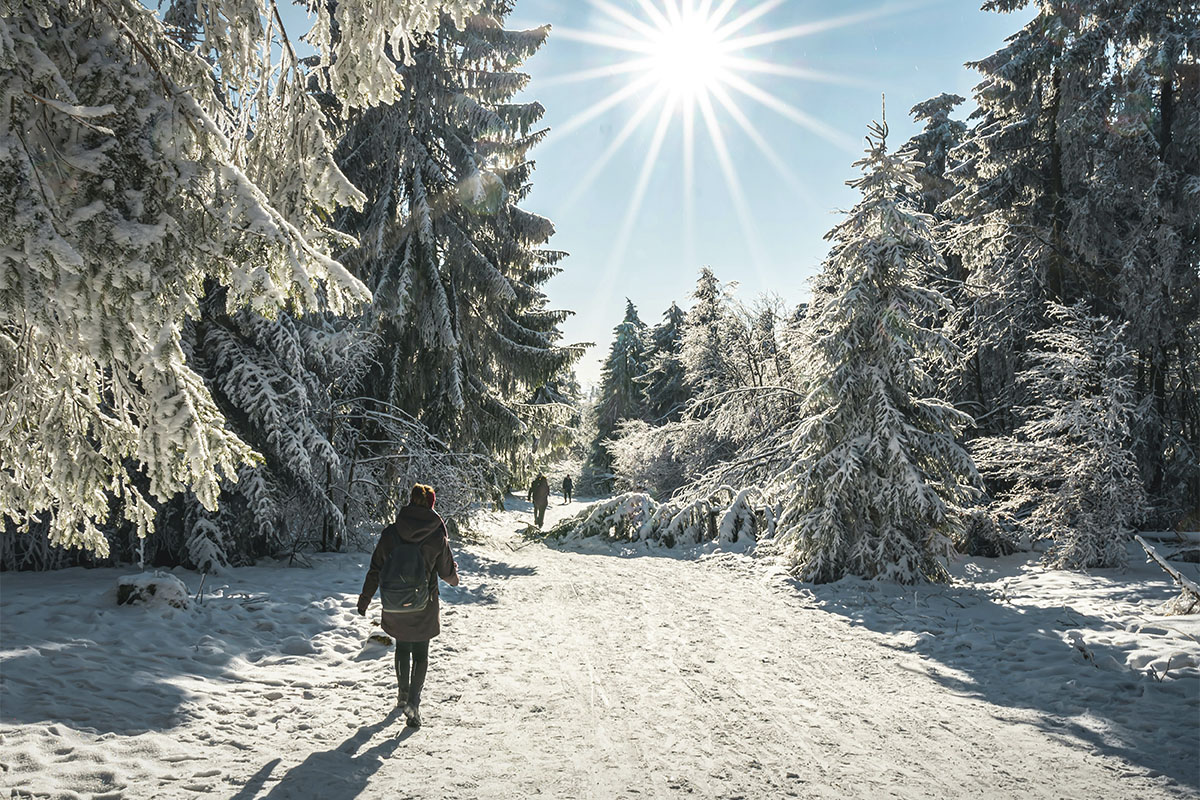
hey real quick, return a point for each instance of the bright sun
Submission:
(686, 58)
(690, 62)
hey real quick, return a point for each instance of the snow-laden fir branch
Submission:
(140, 165)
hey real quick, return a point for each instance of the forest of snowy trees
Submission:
(1002, 347)
(247, 297)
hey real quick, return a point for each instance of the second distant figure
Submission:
(539, 493)
(568, 485)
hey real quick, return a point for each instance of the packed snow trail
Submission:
(565, 672)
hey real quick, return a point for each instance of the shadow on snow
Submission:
(1010, 653)
(339, 773)
(80, 659)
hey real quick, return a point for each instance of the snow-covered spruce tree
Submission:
(1141, 222)
(1070, 467)
(132, 172)
(620, 396)
(877, 473)
(931, 148)
(703, 349)
(1075, 185)
(664, 383)
(455, 265)
(278, 382)
(1009, 211)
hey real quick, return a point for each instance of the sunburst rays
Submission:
(693, 61)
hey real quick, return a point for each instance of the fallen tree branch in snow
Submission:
(1189, 601)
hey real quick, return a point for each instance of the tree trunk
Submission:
(1056, 271)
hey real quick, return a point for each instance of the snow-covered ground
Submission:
(605, 671)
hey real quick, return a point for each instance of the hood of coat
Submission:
(417, 523)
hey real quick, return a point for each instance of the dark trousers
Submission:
(412, 662)
(539, 514)
(567, 494)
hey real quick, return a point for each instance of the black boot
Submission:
(412, 711)
(402, 664)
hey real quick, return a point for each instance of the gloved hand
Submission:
(362, 607)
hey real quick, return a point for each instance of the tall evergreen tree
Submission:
(931, 148)
(620, 397)
(704, 347)
(665, 382)
(455, 265)
(1070, 463)
(1072, 188)
(1009, 208)
(877, 472)
(1141, 213)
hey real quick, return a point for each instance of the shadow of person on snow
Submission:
(340, 773)
(1013, 654)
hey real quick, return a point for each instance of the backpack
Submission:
(404, 581)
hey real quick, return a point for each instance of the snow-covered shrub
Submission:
(725, 516)
(205, 551)
(621, 517)
(647, 456)
(681, 523)
(1068, 469)
(742, 520)
(152, 589)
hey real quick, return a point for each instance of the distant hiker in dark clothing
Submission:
(539, 493)
(568, 485)
(411, 554)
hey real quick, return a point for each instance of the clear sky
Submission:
(908, 51)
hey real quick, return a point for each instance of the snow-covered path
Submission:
(572, 673)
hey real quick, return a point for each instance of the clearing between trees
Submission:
(596, 670)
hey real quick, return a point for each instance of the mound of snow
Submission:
(152, 589)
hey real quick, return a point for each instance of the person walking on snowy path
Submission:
(412, 553)
(568, 485)
(539, 493)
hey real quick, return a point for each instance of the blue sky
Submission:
(910, 54)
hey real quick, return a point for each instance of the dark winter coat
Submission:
(421, 526)
(540, 492)
(568, 485)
